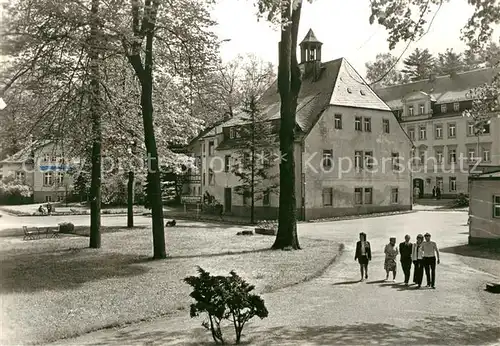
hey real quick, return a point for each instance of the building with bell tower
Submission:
(310, 48)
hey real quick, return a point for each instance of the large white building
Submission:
(446, 142)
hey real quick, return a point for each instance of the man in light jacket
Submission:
(417, 257)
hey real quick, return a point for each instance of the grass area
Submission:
(56, 288)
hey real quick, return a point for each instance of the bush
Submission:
(224, 298)
(13, 192)
(66, 227)
(461, 201)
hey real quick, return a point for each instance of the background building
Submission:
(348, 147)
(43, 167)
(430, 112)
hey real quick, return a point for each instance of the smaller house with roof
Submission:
(484, 208)
(42, 166)
(349, 147)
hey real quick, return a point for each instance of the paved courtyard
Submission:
(337, 309)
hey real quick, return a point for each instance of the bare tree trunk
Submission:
(95, 110)
(252, 211)
(130, 200)
(154, 185)
(289, 86)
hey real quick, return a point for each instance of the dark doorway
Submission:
(417, 182)
(227, 199)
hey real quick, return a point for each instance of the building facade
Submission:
(447, 145)
(349, 148)
(43, 167)
(484, 209)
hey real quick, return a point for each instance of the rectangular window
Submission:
(443, 108)
(211, 177)
(368, 195)
(486, 155)
(470, 129)
(496, 206)
(246, 198)
(439, 156)
(358, 195)
(338, 121)
(357, 124)
(211, 148)
(20, 175)
(456, 106)
(452, 130)
(452, 155)
(48, 198)
(227, 163)
(358, 159)
(48, 179)
(486, 129)
(327, 162)
(439, 183)
(410, 110)
(246, 160)
(368, 125)
(328, 197)
(394, 196)
(453, 184)
(385, 125)
(266, 198)
(421, 109)
(411, 133)
(60, 178)
(471, 155)
(46, 158)
(422, 157)
(60, 198)
(422, 133)
(232, 133)
(439, 131)
(369, 159)
(395, 162)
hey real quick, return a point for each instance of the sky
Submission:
(342, 25)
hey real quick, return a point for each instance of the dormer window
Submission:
(443, 108)
(422, 108)
(410, 110)
(456, 106)
(232, 133)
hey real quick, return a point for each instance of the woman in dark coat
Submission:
(363, 255)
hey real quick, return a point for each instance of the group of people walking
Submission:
(423, 254)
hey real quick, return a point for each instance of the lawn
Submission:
(56, 288)
(62, 209)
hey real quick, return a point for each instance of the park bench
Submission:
(30, 234)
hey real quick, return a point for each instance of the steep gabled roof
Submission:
(331, 86)
(24, 154)
(444, 89)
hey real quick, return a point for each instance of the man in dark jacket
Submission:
(405, 250)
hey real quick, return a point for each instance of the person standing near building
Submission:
(363, 255)
(438, 192)
(405, 250)
(417, 257)
(431, 251)
(416, 193)
(434, 192)
(391, 252)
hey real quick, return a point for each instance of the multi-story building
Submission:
(348, 145)
(43, 167)
(447, 145)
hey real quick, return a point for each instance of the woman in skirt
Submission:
(363, 255)
(391, 252)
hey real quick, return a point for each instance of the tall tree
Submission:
(449, 62)
(383, 71)
(256, 143)
(419, 64)
(287, 13)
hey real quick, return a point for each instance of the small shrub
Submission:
(66, 227)
(224, 298)
(461, 201)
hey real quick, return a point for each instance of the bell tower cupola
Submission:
(310, 48)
